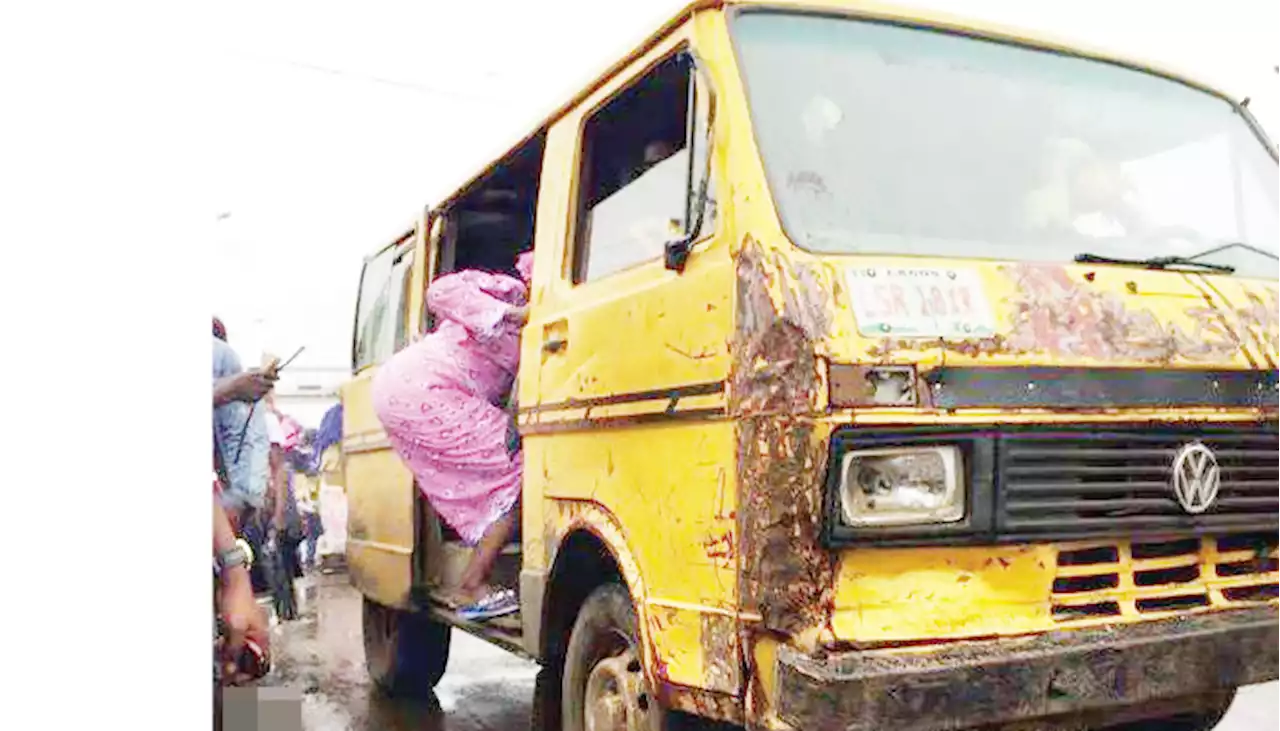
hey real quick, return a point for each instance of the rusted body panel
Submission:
(793, 321)
(1068, 674)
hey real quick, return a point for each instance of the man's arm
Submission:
(248, 386)
(225, 390)
(224, 539)
(242, 617)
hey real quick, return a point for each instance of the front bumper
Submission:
(1060, 673)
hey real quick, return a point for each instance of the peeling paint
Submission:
(807, 295)
(1051, 313)
(721, 667)
(784, 311)
(565, 516)
(1258, 320)
(720, 549)
(357, 529)
(701, 703)
(784, 574)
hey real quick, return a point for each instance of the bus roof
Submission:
(867, 9)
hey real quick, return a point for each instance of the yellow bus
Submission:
(884, 370)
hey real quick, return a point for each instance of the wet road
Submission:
(484, 689)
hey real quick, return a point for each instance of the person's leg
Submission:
(288, 569)
(486, 553)
(317, 530)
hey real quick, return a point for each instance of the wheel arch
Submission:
(590, 550)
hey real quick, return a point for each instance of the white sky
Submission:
(335, 121)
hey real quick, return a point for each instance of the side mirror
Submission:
(675, 254)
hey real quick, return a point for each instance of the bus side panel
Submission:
(380, 531)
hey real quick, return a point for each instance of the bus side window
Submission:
(634, 189)
(380, 313)
(401, 278)
(371, 310)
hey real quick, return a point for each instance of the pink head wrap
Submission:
(524, 265)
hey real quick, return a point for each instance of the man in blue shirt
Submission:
(245, 467)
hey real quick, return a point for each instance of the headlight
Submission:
(902, 486)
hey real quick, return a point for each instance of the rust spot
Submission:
(1255, 322)
(1090, 276)
(702, 354)
(885, 350)
(1055, 314)
(721, 664)
(701, 703)
(720, 549)
(756, 702)
(356, 528)
(784, 573)
(1004, 562)
(661, 675)
(852, 385)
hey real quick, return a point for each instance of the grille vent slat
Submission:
(1165, 576)
(1066, 485)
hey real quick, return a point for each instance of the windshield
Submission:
(879, 138)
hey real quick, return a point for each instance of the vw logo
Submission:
(1196, 477)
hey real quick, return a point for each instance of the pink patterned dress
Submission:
(439, 399)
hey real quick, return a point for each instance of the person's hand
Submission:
(242, 618)
(248, 386)
(517, 315)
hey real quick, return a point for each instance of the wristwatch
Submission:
(238, 555)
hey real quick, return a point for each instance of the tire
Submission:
(1207, 720)
(545, 713)
(405, 654)
(603, 670)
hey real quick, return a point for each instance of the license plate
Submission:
(921, 303)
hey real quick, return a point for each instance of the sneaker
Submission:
(497, 604)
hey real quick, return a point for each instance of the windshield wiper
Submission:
(1235, 245)
(1156, 262)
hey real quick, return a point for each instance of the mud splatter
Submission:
(784, 573)
(721, 668)
(1053, 314)
(1260, 318)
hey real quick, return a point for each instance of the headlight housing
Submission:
(902, 486)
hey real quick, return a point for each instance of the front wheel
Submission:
(405, 653)
(603, 683)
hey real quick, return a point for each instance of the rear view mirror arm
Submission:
(676, 253)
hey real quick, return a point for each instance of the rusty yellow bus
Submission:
(884, 370)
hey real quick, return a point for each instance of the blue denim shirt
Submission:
(247, 476)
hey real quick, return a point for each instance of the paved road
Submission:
(485, 689)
